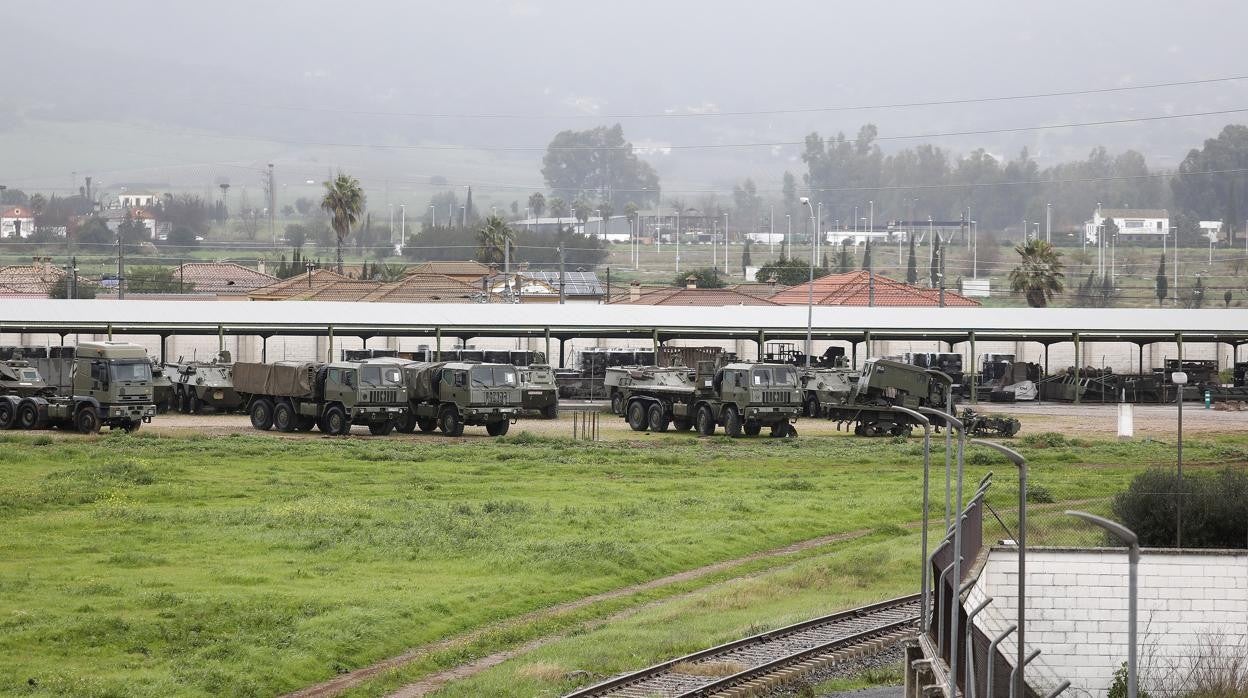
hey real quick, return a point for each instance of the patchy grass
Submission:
(251, 565)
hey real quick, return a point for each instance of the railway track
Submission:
(751, 665)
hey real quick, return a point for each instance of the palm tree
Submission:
(492, 239)
(344, 202)
(1039, 275)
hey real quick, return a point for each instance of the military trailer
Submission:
(882, 385)
(200, 384)
(111, 386)
(539, 391)
(451, 395)
(741, 397)
(298, 395)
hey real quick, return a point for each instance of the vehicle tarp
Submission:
(420, 378)
(284, 378)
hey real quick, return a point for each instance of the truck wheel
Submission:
(732, 422)
(706, 421)
(498, 428)
(426, 424)
(8, 415)
(656, 420)
(28, 416)
(812, 406)
(682, 424)
(637, 415)
(334, 422)
(284, 417)
(617, 404)
(261, 414)
(552, 412)
(753, 428)
(304, 422)
(87, 421)
(381, 428)
(184, 403)
(405, 424)
(452, 424)
(194, 404)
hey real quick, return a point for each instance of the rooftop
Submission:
(465, 268)
(30, 280)
(1134, 213)
(854, 288)
(703, 297)
(222, 278)
(16, 212)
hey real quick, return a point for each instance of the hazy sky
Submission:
(137, 88)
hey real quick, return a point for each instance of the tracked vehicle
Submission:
(452, 395)
(298, 395)
(111, 386)
(741, 397)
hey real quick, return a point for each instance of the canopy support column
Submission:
(1078, 368)
(561, 358)
(110, 331)
(437, 346)
(974, 369)
(853, 354)
(330, 349)
(654, 340)
(761, 339)
(163, 337)
(547, 345)
(866, 344)
(264, 348)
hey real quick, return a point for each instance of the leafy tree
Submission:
(937, 253)
(515, 208)
(187, 210)
(1226, 298)
(866, 257)
(537, 204)
(133, 232)
(559, 208)
(1039, 274)
(182, 236)
(61, 288)
(492, 239)
(1215, 507)
(1162, 287)
(443, 207)
(599, 160)
(746, 201)
(288, 211)
(14, 197)
(1207, 196)
(344, 202)
(745, 256)
(788, 191)
(846, 263)
(94, 233)
(296, 235)
(912, 268)
(1095, 292)
(304, 205)
(789, 272)
(1195, 296)
(705, 277)
(154, 279)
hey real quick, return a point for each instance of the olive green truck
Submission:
(111, 386)
(298, 395)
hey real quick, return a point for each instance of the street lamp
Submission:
(1020, 463)
(810, 287)
(678, 241)
(788, 238)
(433, 216)
(1179, 378)
(992, 653)
(927, 467)
(1132, 542)
(951, 421)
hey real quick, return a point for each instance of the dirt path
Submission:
(351, 679)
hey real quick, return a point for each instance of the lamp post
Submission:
(992, 652)
(788, 237)
(1020, 463)
(810, 286)
(1179, 378)
(949, 421)
(433, 216)
(927, 467)
(1132, 542)
(677, 241)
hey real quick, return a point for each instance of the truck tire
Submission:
(656, 418)
(732, 422)
(552, 412)
(334, 422)
(194, 404)
(753, 428)
(381, 428)
(450, 421)
(426, 424)
(28, 416)
(812, 406)
(184, 402)
(8, 415)
(406, 424)
(637, 415)
(706, 421)
(682, 424)
(284, 418)
(617, 404)
(261, 414)
(498, 428)
(304, 422)
(87, 420)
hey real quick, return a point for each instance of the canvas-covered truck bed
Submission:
(281, 378)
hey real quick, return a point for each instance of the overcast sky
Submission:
(267, 80)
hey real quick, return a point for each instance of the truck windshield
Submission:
(389, 376)
(492, 376)
(767, 376)
(131, 370)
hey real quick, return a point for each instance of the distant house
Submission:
(543, 286)
(35, 280)
(136, 199)
(858, 288)
(222, 279)
(325, 285)
(689, 295)
(611, 228)
(16, 222)
(467, 271)
(1212, 230)
(1134, 224)
(114, 217)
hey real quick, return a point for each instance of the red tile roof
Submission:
(16, 212)
(326, 285)
(468, 268)
(704, 297)
(853, 288)
(222, 278)
(29, 280)
(298, 284)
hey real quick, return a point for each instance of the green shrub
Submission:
(1039, 494)
(1215, 508)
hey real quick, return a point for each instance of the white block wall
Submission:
(1077, 612)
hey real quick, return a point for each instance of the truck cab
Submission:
(456, 394)
(539, 392)
(754, 395)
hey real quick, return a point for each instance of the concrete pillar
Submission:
(974, 369)
(1075, 339)
(548, 345)
(866, 345)
(264, 348)
(437, 346)
(561, 356)
(761, 339)
(330, 349)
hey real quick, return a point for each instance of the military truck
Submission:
(111, 386)
(882, 385)
(18, 379)
(455, 394)
(741, 397)
(298, 395)
(539, 391)
(199, 384)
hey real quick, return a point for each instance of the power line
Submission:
(755, 112)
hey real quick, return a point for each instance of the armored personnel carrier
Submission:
(539, 391)
(200, 384)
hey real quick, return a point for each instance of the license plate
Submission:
(218, 395)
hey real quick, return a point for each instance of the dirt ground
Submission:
(1097, 420)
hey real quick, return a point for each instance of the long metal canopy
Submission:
(317, 318)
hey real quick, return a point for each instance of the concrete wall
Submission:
(1077, 612)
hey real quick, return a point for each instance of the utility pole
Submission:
(1048, 223)
(121, 266)
(402, 226)
(272, 206)
(562, 296)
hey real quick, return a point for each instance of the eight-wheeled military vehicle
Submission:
(111, 386)
(452, 395)
(297, 395)
(741, 397)
(539, 391)
(882, 385)
(199, 384)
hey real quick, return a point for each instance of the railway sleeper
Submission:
(762, 685)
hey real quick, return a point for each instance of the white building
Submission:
(1133, 223)
(137, 199)
(16, 222)
(1212, 230)
(611, 228)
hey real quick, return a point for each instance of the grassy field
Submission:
(251, 565)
